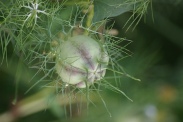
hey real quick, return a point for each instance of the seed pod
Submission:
(81, 60)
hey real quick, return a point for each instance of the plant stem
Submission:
(38, 102)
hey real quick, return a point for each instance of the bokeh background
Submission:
(157, 60)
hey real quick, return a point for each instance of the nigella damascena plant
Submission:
(81, 61)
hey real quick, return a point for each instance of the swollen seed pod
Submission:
(81, 60)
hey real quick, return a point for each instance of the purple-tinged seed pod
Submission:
(81, 60)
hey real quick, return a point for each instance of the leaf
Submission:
(110, 8)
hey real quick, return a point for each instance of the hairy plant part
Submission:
(81, 61)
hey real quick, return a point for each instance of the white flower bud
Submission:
(81, 60)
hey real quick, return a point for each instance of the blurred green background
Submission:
(157, 60)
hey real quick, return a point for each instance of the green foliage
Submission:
(111, 8)
(37, 28)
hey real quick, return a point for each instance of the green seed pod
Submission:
(81, 60)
